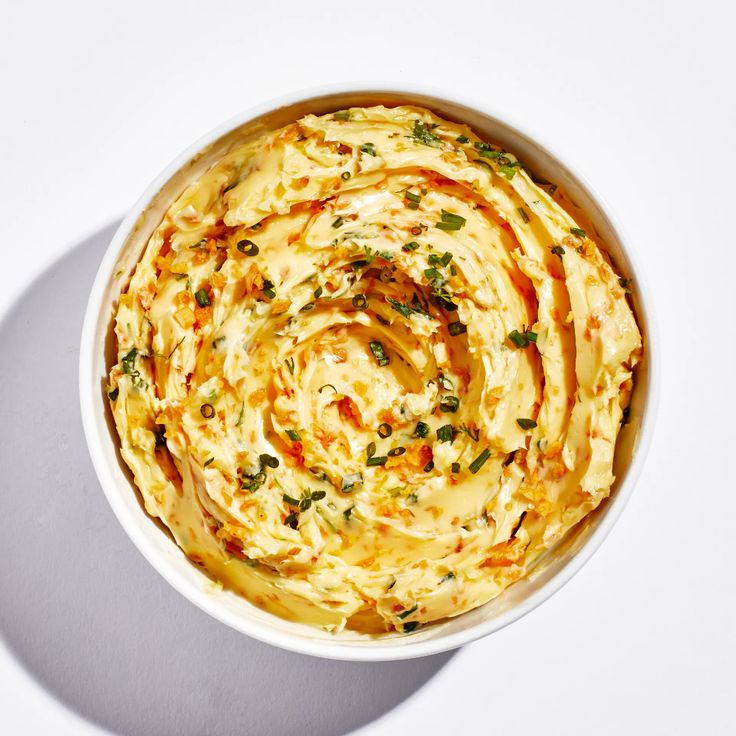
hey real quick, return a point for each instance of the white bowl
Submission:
(97, 353)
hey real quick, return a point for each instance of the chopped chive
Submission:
(290, 365)
(208, 462)
(376, 460)
(446, 258)
(410, 626)
(308, 307)
(449, 576)
(396, 451)
(350, 481)
(509, 170)
(293, 435)
(478, 463)
(113, 394)
(402, 309)
(558, 250)
(342, 115)
(450, 221)
(429, 467)
(449, 404)
(269, 460)
(578, 231)
(256, 227)
(462, 139)
(421, 430)
(247, 247)
(290, 499)
(292, 520)
(489, 153)
(455, 467)
(379, 353)
(202, 298)
(347, 512)
(444, 433)
(240, 416)
(384, 430)
(360, 301)
(456, 328)
(407, 613)
(268, 289)
(305, 503)
(337, 222)
(523, 214)
(368, 148)
(518, 338)
(412, 197)
(318, 495)
(408, 247)
(526, 423)
(370, 451)
(207, 411)
(318, 292)
(625, 284)
(432, 274)
(326, 385)
(345, 175)
(422, 133)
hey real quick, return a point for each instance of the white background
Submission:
(96, 98)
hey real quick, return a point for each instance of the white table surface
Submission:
(97, 97)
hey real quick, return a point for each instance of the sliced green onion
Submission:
(342, 115)
(478, 463)
(421, 430)
(449, 404)
(350, 481)
(407, 613)
(450, 221)
(456, 328)
(269, 460)
(462, 139)
(384, 430)
(247, 247)
(408, 247)
(523, 214)
(526, 423)
(455, 467)
(379, 353)
(370, 451)
(293, 435)
(208, 462)
(207, 411)
(558, 250)
(396, 451)
(360, 301)
(345, 175)
(202, 298)
(578, 231)
(444, 433)
(337, 222)
(368, 148)
(429, 467)
(113, 394)
(376, 460)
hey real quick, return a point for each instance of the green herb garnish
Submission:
(342, 115)
(449, 404)
(384, 430)
(207, 411)
(289, 365)
(293, 435)
(455, 467)
(368, 148)
(113, 393)
(450, 221)
(247, 247)
(346, 514)
(268, 460)
(396, 451)
(408, 247)
(360, 301)
(444, 433)
(407, 613)
(578, 231)
(456, 328)
(474, 434)
(410, 626)
(526, 423)
(421, 430)
(350, 481)
(558, 250)
(379, 353)
(429, 467)
(376, 460)
(522, 214)
(522, 339)
(478, 463)
(422, 133)
(462, 139)
(208, 462)
(345, 175)
(449, 576)
(337, 222)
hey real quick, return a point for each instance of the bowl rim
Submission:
(403, 648)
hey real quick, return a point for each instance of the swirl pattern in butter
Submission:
(369, 371)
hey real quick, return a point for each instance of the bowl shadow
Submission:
(85, 613)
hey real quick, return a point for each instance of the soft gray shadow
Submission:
(84, 612)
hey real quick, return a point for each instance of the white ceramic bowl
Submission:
(97, 353)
